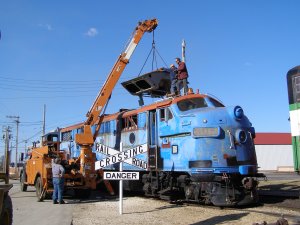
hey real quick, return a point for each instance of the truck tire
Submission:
(39, 189)
(23, 180)
(6, 216)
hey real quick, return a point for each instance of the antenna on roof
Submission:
(183, 51)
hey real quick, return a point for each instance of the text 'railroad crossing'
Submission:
(125, 156)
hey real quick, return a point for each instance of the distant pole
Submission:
(44, 120)
(25, 152)
(17, 137)
(183, 50)
(6, 163)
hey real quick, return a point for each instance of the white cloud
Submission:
(46, 26)
(92, 32)
(248, 64)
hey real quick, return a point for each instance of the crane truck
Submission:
(80, 175)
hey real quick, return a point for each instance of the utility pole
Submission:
(17, 136)
(6, 138)
(25, 152)
(44, 120)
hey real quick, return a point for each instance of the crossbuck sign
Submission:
(127, 156)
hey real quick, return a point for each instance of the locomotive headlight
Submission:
(238, 112)
(241, 136)
(206, 132)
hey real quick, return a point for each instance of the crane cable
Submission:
(154, 51)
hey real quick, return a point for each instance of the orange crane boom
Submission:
(86, 139)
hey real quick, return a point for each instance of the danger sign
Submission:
(121, 175)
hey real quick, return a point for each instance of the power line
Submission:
(47, 81)
(49, 89)
(61, 89)
(57, 82)
(57, 96)
(44, 97)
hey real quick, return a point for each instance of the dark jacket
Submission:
(182, 71)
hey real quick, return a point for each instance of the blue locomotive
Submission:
(190, 147)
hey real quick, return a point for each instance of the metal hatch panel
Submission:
(153, 84)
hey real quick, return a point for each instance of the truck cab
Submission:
(37, 170)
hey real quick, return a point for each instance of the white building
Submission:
(274, 152)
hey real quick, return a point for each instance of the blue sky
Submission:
(59, 53)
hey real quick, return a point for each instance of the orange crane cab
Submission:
(80, 172)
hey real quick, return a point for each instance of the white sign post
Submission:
(121, 185)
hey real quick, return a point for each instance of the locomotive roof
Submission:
(125, 113)
(159, 104)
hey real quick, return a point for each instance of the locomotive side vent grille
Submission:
(200, 164)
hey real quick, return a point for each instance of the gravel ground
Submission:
(140, 210)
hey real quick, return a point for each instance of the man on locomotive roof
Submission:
(182, 75)
(173, 78)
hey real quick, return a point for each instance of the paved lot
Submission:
(27, 211)
(101, 209)
(280, 184)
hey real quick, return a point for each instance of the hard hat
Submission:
(172, 65)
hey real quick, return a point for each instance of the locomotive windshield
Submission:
(215, 102)
(193, 103)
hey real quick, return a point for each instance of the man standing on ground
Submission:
(182, 75)
(58, 181)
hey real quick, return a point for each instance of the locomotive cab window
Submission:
(215, 102)
(165, 114)
(193, 103)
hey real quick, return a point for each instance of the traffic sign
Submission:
(125, 156)
(121, 176)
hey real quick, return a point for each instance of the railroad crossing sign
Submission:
(127, 156)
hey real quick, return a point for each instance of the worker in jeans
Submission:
(58, 181)
(173, 77)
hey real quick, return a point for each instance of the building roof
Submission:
(273, 139)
